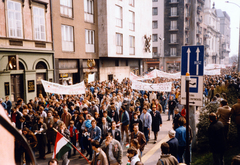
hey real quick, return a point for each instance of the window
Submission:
(173, 11)
(89, 11)
(67, 38)
(14, 19)
(173, 51)
(119, 43)
(154, 0)
(173, 1)
(66, 8)
(173, 25)
(132, 45)
(132, 20)
(155, 51)
(154, 37)
(39, 23)
(154, 11)
(155, 24)
(173, 38)
(89, 38)
(131, 2)
(118, 15)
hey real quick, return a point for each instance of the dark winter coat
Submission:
(156, 120)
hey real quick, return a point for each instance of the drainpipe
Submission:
(51, 17)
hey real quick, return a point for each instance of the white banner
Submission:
(154, 74)
(161, 87)
(169, 75)
(91, 77)
(212, 72)
(62, 89)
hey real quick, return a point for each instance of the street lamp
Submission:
(160, 54)
(238, 66)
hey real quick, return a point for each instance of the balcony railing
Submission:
(118, 22)
(119, 49)
(173, 14)
(132, 51)
(131, 26)
(88, 17)
(173, 28)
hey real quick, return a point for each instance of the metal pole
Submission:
(187, 161)
(239, 44)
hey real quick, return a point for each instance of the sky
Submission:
(234, 12)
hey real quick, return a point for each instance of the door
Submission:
(17, 87)
(110, 77)
(40, 89)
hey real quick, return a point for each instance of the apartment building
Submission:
(225, 30)
(176, 30)
(158, 36)
(75, 32)
(26, 53)
(212, 34)
(124, 33)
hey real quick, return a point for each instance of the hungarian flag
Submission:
(62, 145)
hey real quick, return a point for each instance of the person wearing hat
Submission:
(173, 143)
(156, 121)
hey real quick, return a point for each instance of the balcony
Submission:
(173, 55)
(173, 14)
(187, 18)
(119, 49)
(199, 20)
(131, 26)
(118, 22)
(173, 43)
(173, 2)
(187, 28)
(206, 55)
(132, 51)
(173, 28)
(206, 45)
(199, 32)
(88, 17)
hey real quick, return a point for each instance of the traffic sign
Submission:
(192, 62)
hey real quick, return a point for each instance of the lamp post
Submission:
(238, 66)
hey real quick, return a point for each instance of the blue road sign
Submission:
(192, 60)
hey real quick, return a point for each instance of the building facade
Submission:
(124, 32)
(75, 39)
(158, 36)
(225, 30)
(26, 53)
(212, 34)
(177, 30)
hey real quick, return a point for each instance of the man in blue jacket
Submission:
(124, 118)
(94, 134)
(181, 136)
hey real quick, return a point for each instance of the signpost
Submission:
(191, 83)
(192, 63)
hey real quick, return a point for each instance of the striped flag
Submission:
(62, 145)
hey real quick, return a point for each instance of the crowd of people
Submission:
(98, 120)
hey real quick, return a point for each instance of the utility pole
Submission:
(191, 109)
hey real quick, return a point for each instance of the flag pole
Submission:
(74, 147)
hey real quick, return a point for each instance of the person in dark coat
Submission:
(171, 106)
(216, 139)
(173, 143)
(135, 120)
(177, 115)
(113, 114)
(40, 129)
(115, 132)
(156, 121)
